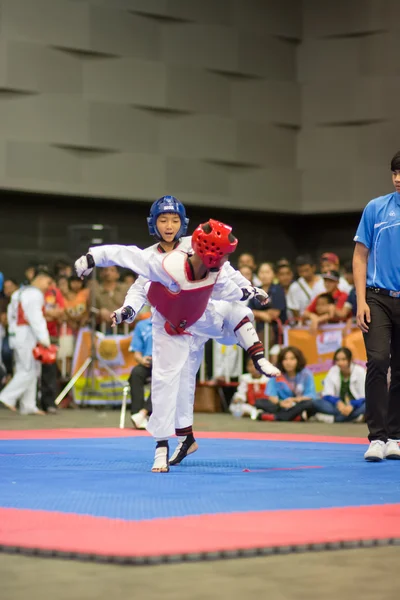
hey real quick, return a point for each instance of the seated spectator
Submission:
(248, 261)
(333, 314)
(307, 287)
(276, 309)
(251, 388)
(330, 262)
(343, 395)
(142, 346)
(291, 395)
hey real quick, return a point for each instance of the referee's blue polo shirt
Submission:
(379, 231)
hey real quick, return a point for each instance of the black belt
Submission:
(384, 292)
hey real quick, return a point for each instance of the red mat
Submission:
(200, 534)
(111, 432)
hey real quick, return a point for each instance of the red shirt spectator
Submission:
(53, 309)
(331, 281)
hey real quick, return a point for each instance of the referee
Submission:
(376, 268)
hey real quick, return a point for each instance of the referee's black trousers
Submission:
(382, 343)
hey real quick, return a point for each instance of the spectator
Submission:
(284, 276)
(142, 347)
(276, 309)
(323, 312)
(54, 314)
(248, 261)
(338, 312)
(246, 271)
(109, 294)
(348, 273)
(251, 388)
(307, 287)
(292, 394)
(76, 314)
(10, 286)
(30, 272)
(62, 269)
(330, 262)
(128, 277)
(343, 396)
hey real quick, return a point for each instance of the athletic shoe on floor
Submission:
(392, 450)
(188, 446)
(376, 451)
(323, 418)
(139, 420)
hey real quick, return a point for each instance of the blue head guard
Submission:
(167, 204)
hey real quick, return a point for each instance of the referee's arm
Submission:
(360, 261)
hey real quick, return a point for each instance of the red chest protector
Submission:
(183, 308)
(21, 318)
(255, 391)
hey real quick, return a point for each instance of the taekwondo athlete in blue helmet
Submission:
(168, 223)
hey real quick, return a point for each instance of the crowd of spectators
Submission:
(301, 293)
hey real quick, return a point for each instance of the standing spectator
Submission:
(247, 260)
(54, 314)
(10, 286)
(306, 288)
(276, 309)
(377, 281)
(142, 347)
(343, 396)
(330, 262)
(284, 275)
(291, 394)
(348, 273)
(76, 314)
(62, 269)
(109, 294)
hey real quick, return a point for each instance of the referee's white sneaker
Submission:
(376, 451)
(392, 450)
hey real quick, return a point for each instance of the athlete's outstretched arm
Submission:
(130, 257)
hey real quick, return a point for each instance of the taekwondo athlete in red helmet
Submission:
(185, 316)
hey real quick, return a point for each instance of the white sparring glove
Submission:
(126, 314)
(84, 265)
(258, 294)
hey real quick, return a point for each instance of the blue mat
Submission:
(112, 478)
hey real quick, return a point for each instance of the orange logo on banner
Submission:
(111, 351)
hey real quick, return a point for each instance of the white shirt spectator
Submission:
(344, 285)
(300, 294)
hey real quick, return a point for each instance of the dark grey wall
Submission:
(34, 227)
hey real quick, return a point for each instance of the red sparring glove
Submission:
(46, 356)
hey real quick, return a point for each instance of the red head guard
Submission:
(212, 241)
